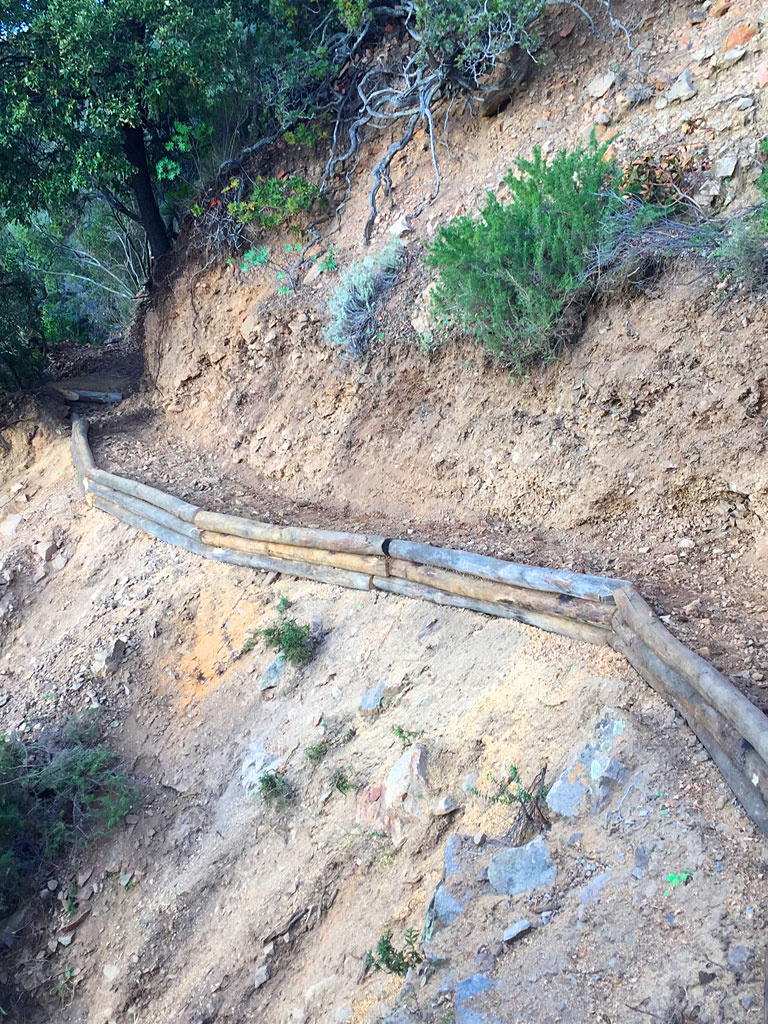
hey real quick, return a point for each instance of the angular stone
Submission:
(682, 89)
(517, 930)
(108, 659)
(731, 57)
(592, 772)
(261, 975)
(371, 701)
(600, 85)
(271, 675)
(406, 788)
(726, 165)
(446, 907)
(761, 75)
(719, 8)
(466, 990)
(521, 868)
(442, 806)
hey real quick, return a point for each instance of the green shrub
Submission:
(276, 790)
(56, 792)
(316, 751)
(273, 201)
(292, 640)
(353, 305)
(393, 960)
(741, 254)
(509, 276)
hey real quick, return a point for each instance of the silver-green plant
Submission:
(353, 304)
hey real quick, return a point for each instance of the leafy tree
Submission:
(90, 90)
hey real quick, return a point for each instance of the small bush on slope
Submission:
(56, 792)
(508, 276)
(353, 305)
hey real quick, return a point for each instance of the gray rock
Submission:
(343, 1014)
(261, 975)
(600, 85)
(747, 1002)
(108, 659)
(271, 675)
(592, 772)
(406, 788)
(682, 89)
(726, 166)
(446, 907)
(256, 763)
(466, 990)
(451, 857)
(521, 868)
(731, 57)
(371, 701)
(517, 930)
(592, 891)
(739, 959)
(443, 805)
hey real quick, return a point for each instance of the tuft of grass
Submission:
(276, 790)
(396, 961)
(316, 752)
(57, 792)
(355, 301)
(292, 640)
(340, 781)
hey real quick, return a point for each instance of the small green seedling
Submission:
(405, 736)
(682, 879)
(292, 640)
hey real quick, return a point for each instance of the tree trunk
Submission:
(141, 184)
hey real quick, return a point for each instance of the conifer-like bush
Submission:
(509, 276)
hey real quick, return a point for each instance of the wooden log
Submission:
(370, 564)
(740, 764)
(154, 529)
(175, 506)
(298, 536)
(319, 573)
(79, 395)
(747, 720)
(80, 450)
(144, 509)
(552, 623)
(559, 581)
(502, 593)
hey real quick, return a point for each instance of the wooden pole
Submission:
(144, 510)
(80, 450)
(746, 719)
(552, 623)
(139, 522)
(249, 529)
(740, 764)
(559, 581)
(175, 506)
(303, 570)
(370, 564)
(502, 593)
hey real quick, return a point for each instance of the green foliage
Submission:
(328, 262)
(354, 303)
(741, 252)
(292, 640)
(254, 258)
(393, 960)
(276, 790)
(56, 792)
(274, 201)
(405, 736)
(518, 794)
(316, 752)
(470, 35)
(340, 781)
(508, 277)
